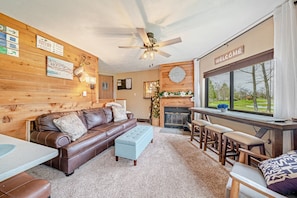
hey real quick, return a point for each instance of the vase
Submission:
(223, 109)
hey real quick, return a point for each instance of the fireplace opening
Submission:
(177, 117)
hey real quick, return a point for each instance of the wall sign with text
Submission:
(9, 41)
(229, 55)
(48, 45)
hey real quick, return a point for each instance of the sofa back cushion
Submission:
(108, 114)
(94, 117)
(45, 122)
(71, 125)
(119, 113)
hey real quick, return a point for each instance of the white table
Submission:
(24, 156)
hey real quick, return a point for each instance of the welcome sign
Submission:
(229, 55)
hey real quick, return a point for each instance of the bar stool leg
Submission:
(220, 141)
(205, 139)
(224, 151)
(192, 131)
(201, 129)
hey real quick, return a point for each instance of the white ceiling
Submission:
(100, 26)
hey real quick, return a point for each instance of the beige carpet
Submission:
(172, 166)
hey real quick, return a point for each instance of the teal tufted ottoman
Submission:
(131, 144)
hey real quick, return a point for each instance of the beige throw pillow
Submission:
(71, 125)
(119, 114)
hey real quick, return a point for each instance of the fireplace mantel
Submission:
(173, 102)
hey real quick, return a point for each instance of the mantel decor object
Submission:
(177, 74)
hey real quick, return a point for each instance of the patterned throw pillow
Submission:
(71, 125)
(280, 173)
(119, 113)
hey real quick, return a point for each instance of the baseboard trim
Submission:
(143, 120)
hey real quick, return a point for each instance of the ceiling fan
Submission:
(151, 45)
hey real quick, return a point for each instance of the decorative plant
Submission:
(156, 102)
(177, 93)
(222, 106)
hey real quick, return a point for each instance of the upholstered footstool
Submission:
(131, 144)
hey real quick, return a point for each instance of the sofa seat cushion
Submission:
(87, 141)
(129, 123)
(251, 173)
(110, 129)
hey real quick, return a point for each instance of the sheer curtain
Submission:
(285, 54)
(197, 102)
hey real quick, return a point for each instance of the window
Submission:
(245, 86)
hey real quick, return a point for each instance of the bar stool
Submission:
(241, 139)
(200, 125)
(215, 131)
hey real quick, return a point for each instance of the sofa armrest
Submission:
(244, 154)
(238, 179)
(130, 115)
(50, 138)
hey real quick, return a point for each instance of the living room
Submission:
(30, 90)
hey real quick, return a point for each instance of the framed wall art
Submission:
(59, 68)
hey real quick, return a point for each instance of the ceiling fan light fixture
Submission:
(152, 54)
(145, 54)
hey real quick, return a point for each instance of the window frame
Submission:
(255, 59)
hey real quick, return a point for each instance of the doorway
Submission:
(105, 87)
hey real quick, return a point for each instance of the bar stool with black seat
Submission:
(213, 135)
(200, 126)
(241, 140)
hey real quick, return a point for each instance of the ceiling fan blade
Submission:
(168, 42)
(130, 47)
(162, 53)
(144, 36)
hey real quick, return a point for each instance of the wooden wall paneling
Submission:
(26, 90)
(167, 85)
(187, 84)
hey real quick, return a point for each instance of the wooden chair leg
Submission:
(234, 189)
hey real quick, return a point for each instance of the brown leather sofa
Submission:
(102, 131)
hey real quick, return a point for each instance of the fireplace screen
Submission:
(176, 117)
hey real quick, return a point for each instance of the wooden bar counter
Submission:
(275, 125)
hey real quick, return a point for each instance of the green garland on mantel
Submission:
(177, 93)
(157, 95)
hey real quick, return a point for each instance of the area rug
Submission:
(175, 131)
(172, 166)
